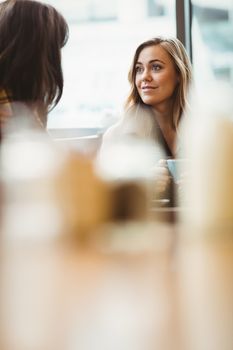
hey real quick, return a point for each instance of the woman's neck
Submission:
(164, 114)
(165, 122)
(164, 119)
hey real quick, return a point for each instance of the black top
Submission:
(170, 193)
(163, 143)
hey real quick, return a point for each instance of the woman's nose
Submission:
(146, 76)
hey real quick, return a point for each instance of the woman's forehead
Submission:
(154, 52)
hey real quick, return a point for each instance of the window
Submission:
(212, 34)
(103, 37)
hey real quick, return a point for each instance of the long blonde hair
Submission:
(184, 70)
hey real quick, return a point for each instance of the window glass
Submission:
(103, 37)
(212, 33)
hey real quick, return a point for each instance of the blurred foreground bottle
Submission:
(208, 145)
(206, 245)
(83, 197)
(126, 165)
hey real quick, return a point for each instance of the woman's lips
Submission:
(148, 88)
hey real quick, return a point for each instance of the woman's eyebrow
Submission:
(151, 61)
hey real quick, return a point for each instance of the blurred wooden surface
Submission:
(130, 287)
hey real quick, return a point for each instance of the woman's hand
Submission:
(162, 179)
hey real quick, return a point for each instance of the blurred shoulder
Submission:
(111, 136)
(113, 132)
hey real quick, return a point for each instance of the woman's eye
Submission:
(139, 69)
(156, 67)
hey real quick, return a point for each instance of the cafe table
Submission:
(134, 285)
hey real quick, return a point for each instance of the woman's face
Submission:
(156, 77)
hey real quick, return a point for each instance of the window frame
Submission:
(184, 24)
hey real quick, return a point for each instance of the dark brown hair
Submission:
(31, 37)
(182, 65)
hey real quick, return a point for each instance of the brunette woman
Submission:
(32, 35)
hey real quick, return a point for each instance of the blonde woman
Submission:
(160, 77)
